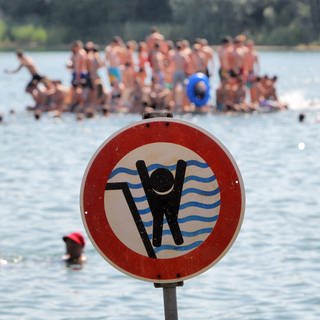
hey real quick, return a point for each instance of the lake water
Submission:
(271, 271)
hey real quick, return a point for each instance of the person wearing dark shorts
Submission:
(27, 62)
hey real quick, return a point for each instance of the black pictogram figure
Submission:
(163, 192)
(135, 214)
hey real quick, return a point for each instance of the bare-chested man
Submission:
(28, 63)
(225, 55)
(240, 53)
(208, 56)
(180, 62)
(129, 85)
(143, 60)
(251, 63)
(113, 54)
(95, 62)
(79, 65)
(80, 75)
(198, 59)
(187, 51)
(156, 59)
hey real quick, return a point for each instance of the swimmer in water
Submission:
(74, 249)
(301, 117)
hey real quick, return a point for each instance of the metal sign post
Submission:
(170, 299)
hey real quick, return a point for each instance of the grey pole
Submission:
(170, 299)
(170, 303)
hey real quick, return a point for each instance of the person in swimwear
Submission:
(78, 64)
(128, 77)
(143, 61)
(156, 58)
(251, 64)
(113, 60)
(208, 56)
(198, 59)
(240, 52)
(27, 63)
(80, 75)
(225, 55)
(94, 61)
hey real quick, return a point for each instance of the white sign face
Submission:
(162, 200)
(199, 204)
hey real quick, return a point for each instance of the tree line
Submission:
(58, 22)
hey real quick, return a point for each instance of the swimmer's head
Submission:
(105, 111)
(154, 29)
(117, 40)
(196, 47)
(76, 45)
(301, 117)
(19, 53)
(79, 116)
(76, 237)
(200, 90)
(161, 180)
(37, 114)
(241, 38)
(226, 40)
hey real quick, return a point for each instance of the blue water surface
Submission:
(271, 271)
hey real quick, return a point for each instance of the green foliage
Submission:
(29, 33)
(267, 21)
(3, 29)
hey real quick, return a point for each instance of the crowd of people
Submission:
(152, 74)
(242, 88)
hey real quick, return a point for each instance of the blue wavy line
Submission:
(186, 219)
(134, 185)
(185, 192)
(188, 205)
(154, 166)
(199, 205)
(140, 199)
(197, 164)
(198, 218)
(199, 179)
(119, 170)
(178, 248)
(144, 211)
(148, 223)
(187, 233)
(201, 192)
(188, 178)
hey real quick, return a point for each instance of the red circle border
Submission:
(231, 197)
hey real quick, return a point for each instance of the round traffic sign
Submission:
(162, 200)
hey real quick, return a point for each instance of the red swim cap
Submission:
(76, 237)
